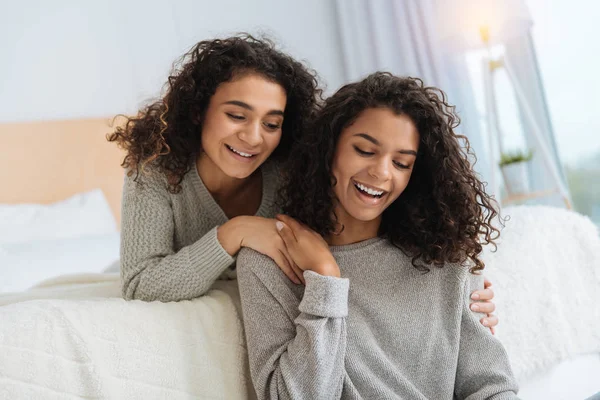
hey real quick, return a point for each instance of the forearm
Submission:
(310, 366)
(296, 351)
(184, 275)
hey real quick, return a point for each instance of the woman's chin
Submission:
(238, 171)
(364, 215)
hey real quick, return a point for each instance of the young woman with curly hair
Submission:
(385, 218)
(202, 166)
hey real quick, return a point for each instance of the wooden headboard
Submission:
(43, 162)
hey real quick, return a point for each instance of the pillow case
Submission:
(22, 265)
(80, 215)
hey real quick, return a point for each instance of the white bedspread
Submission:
(546, 276)
(107, 348)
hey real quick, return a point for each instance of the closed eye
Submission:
(401, 166)
(272, 127)
(362, 152)
(236, 117)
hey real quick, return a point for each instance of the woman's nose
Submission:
(251, 135)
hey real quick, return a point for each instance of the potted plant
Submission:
(514, 169)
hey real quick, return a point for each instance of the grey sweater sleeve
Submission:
(150, 267)
(483, 370)
(296, 347)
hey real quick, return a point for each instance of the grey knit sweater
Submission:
(381, 331)
(169, 245)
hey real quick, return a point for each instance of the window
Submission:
(563, 33)
(569, 63)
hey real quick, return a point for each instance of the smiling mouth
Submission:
(240, 153)
(368, 191)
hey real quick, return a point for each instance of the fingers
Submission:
(294, 225)
(286, 234)
(299, 273)
(490, 321)
(289, 241)
(486, 283)
(486, 307)
(285, 266)
(481, 295)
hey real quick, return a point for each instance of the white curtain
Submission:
(521, 55)
(400, 36)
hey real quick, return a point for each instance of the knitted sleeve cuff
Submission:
(208, 254)
(325, 296)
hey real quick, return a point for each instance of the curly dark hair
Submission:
(166, 132)
(443, 216)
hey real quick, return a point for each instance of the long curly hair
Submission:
(166, 133)
(443, 216)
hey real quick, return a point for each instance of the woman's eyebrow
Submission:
(376, 142)
(409, 152)
(250, 108)
(368, 137)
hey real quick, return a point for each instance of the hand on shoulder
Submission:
(261, 235)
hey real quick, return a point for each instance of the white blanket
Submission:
(107, 348)
(72, 286)
(546, 276)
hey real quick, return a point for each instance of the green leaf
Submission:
(515, 156)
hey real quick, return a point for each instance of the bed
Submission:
(66, 333)
(60, 200)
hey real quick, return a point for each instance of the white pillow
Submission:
(80, 215)
(25, 264)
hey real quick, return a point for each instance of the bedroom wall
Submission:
(70, 59)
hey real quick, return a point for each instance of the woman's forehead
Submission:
(382, 126)
(254, 90)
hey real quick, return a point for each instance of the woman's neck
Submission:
(353, 231)
(220, 185)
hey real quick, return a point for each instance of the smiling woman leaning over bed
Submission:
(202, 167)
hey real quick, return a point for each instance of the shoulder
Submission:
(388, 253)
(273, 171)
(459, 276)
(452, 276)
(153, 178)
(147, 188)
(252, 265)
(453, 283)
(462, 274)
(250, 261)
(150, 176)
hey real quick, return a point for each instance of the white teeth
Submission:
(239, 152)
(368, 190)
